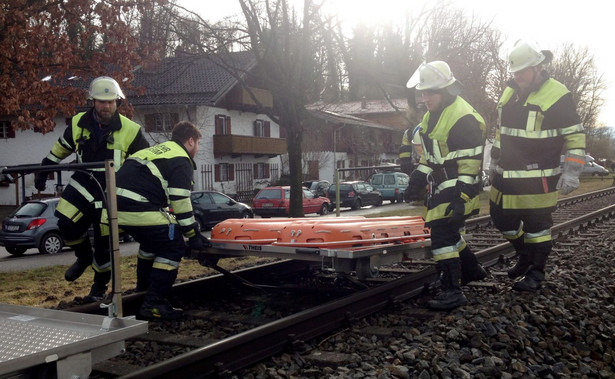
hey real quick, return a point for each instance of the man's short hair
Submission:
(184, 130)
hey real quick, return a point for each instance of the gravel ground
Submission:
(566, 330)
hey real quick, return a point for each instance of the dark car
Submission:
(355, 194)
(318, 187)
(32, 225)
(211, 207)
(275, 201)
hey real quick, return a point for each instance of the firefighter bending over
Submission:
(153, 200)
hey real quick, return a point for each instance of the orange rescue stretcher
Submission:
(342, 244)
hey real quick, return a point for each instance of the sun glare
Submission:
(351, 12)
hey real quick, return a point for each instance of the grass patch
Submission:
(45, 287)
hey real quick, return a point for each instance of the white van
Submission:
(591, 167)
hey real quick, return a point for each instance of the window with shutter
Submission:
(160, 122)
(6, 131)
(259, 128)
(224, 172)
(223, 124)
(261, 170)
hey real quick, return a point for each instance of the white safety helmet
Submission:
(105, 88)
(524, 54)
(432, 75)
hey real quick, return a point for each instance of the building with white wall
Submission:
(240, 148)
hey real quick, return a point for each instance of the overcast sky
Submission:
(550, 23)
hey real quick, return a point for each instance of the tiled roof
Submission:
(338, 118)
(358, 108)
(193, 79)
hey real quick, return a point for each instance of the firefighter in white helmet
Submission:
(452, 138)
(96, 135)
(537, 119)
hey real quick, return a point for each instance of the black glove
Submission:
(416, 185)
(198, 242)
(40, 180)
(406, 166)
(458, 209)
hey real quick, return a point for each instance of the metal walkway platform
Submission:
(34, 340)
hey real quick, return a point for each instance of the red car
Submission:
(275, 201)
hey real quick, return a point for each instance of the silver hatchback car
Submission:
(32, 225)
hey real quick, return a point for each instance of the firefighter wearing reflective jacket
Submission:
(153, 200)
(451, 135)
(536, 120)
(99, 134)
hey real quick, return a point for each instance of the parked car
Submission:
(591, 167)
(211, 207)
(355, 194)
(275, 201)
(594, 169)
(391, 184)
(318, 187)
(32, 226)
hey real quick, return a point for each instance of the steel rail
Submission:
(247, 348)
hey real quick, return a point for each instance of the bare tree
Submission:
(575, 68)
(286, 43)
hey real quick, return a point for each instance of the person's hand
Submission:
(569, 181)
(40, 180)
(198, 242)
(494, 169)
(412, 193)
(416, 184)
(457, 209)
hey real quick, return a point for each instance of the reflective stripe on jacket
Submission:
(122, 139)
(154, 180)
(445, 165)
(529, 140)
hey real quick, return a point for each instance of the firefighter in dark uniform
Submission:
(99, 134)
(537, 120)
(153, 200)
(451, 135)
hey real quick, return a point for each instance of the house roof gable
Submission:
(189, 79)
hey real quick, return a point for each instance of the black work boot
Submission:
(522, 265)
(156, 307)
(531, 282)
(144, 270)
(524, 261)
(83, 252)
(471, 270)
(97, 293)
(450, 296)
(534, 276)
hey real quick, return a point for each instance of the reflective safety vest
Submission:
(154, 182)
(445, 167)
(529, 141)
(123, 138)
(117, 143)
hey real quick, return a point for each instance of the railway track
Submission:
(247, 322)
